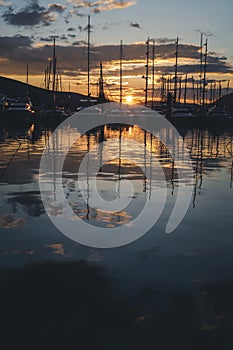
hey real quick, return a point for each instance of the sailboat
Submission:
(84, 103)
(53, 114)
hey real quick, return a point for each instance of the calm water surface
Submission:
(195, 262)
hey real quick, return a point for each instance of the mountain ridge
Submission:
(39, 97)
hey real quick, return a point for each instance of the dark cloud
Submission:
(79, 43)
(57, 8)
(86, 28)
(31, 15)
(49, 38)
(9, 45)
(18, 50)
(52, 37)
(96, 10)
(135, 25)
(165, 40)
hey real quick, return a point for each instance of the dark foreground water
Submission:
(161, 291)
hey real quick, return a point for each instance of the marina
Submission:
(116, 176)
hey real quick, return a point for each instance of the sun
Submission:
(129, 99)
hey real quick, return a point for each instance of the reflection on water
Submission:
(197, 254)
(122, 153)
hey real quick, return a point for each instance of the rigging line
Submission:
(227, 147)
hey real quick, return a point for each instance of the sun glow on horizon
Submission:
(129, 99)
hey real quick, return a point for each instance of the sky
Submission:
(29, 26)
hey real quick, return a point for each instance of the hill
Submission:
(227, 102)
(39, 97)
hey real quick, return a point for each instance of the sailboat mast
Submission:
(147, 69)
(101, 84)
(54, 64)
(176, 69)
(88, 57)
(27, 92)
(193, 88)
(121, 70)
(204, 74)
(201, 61)
(49, 74)
(153, 72)
(180, 89)
(185, 88)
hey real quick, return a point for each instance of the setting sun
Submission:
(129, 99)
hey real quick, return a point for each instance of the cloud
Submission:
(102, 5)
(165, 40)
(135, 25)
(18, 50)
(52, 37)
(57, 8)
(31, 15)
(74, 13)
(86, 28)
(96, 10)
(79, 43)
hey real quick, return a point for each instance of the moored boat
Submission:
(181, 112)
(17, 113)
(53, 116)
(217, 112)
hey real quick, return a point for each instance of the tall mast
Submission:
(27, 92)
(54, 64)
(54, 84)
(88, 57)
(211, 92)
(185, 88)
(204, 74)
(176, 69)
(121, 70)
(101, 84)
(147, 69)
(49, 74)
(45, 78)
(228, 86)
(193, 88)
(219, 89)
(153, 72)
(201, 61)
(180, 89)
(60, 82)
(162, 92)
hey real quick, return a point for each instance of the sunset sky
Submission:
(29, 26)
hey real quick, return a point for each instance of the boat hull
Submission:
(14, 118)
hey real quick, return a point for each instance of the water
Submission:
(167, 282)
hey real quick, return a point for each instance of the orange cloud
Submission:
(103, 5)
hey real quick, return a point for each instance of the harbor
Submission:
(116, 176)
